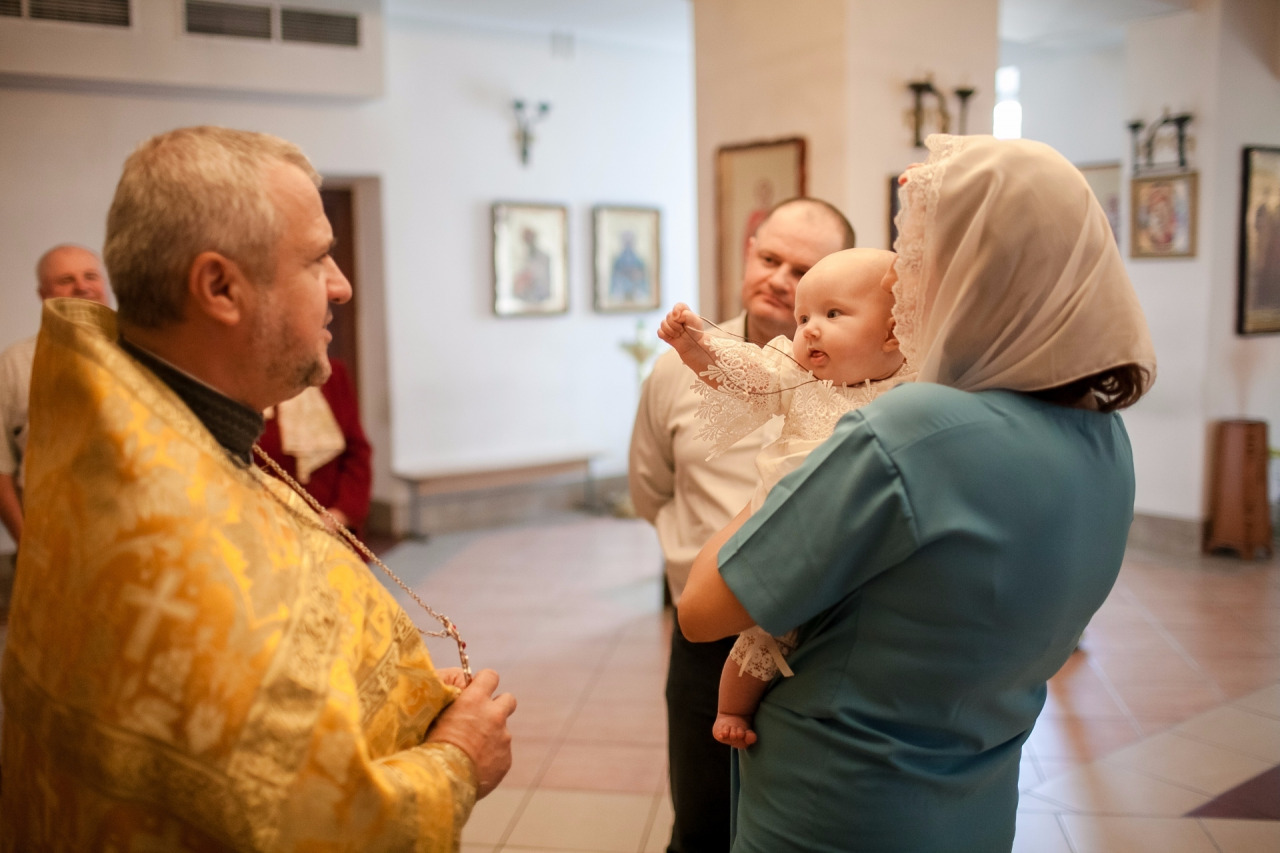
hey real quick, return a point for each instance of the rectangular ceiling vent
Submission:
(241, 20)
(319, 27)
(112, 13)
(254, 20)
(11, 8)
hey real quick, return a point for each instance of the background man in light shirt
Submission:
(64, 270)
(688, 499)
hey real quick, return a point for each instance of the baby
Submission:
(843, 356)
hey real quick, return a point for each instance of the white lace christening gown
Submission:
(755, 385)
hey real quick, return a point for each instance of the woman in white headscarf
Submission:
(942, 552)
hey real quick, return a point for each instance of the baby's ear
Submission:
(891, 338)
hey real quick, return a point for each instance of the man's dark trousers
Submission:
(698, 763)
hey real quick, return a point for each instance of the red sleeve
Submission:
(353, 474)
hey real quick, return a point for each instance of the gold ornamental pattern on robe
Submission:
(192, 662)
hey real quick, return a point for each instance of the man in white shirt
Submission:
(688, 499)
(64, 270)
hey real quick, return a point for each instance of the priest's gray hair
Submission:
(188, 191)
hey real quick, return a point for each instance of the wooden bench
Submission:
(493, 473)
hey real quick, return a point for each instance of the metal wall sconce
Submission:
(1144, 144)
(526, 117)
(922, 88)
(964, 93)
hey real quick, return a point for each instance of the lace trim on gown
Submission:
(762, 656)
(756, 383)
(748, 396)
(914, 221)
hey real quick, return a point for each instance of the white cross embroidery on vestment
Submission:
(153, 606)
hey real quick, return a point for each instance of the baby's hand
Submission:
(677, 322)
(683, 330)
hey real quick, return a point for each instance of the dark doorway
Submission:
(344, 346)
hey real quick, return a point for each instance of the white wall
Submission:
(767, 70)
(155, 50)
(620, 131)
(835, 72)
(1214, 62)
(1169, 65)
(1075, 102)
(1081, 103)
(763, 73)
(1245, 371)
(460, 382)
(440, 144)
(889, 45)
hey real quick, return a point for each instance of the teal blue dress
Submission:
(941, 554)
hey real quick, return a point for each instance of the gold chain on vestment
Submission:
(450, 630)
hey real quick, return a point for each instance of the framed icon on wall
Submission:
(626, 257)
(530, 259)
(1163, 215)
(750, 179)
(1259, 270)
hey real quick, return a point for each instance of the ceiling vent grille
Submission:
(11, 8)
(113, 13)
(241, 20)
(319, 27)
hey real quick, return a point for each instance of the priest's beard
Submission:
(291, 363)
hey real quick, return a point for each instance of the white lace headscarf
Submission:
(1008, 272)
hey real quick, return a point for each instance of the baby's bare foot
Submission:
(733, 730)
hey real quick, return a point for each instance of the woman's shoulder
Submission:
(927, 403)
(918, 410)
(930, 398)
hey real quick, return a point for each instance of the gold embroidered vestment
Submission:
(192, 663)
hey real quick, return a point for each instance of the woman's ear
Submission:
(217, 288)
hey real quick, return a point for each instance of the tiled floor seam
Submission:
(1165, 780)
(1221, 746)
(516, 815)
(649, 822)
(1060, 819)
(1216, 846)
(559, 740)
(1209, 835)
(1098, 669)
(1181, 650)
(1063, 808)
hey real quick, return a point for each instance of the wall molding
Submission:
(1165, 534)
(481, 508)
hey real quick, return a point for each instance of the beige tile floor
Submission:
(1174, 699)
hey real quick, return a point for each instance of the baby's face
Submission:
(843, 325)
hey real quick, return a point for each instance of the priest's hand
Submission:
(476, 723)
(452, 675)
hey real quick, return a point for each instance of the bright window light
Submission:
(1006, 120)
(1008, 82)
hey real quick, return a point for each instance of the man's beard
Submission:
(315, 372)
(287, 367)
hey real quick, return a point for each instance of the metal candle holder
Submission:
(526, 118)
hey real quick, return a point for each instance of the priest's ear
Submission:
(218, 289)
